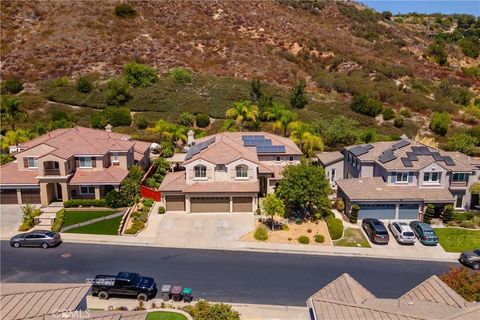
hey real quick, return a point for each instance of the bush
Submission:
(74, 203)
(139, 75)
(180, 75)
(429, 213)
(285, 227)
(298, 99)
(399, 122)
(60, 82)
(304, 240)
(59, 221)
(84, 85)
(12, 86)
(437, 51)
(388, 114)
(161, 210)
(111, 115)
(465, 282)
(319, 238)
(469, 47)
(118, 92)
(202, 120)
(464, 143)
(114, 199)
(187, 119)
(364, 105)
(340, 204)
(440, 122)
(125, 10)
(354, 213)
(141, 122)
(261, 234)
(202, 310)
(335, 228)
(404, 112)
(29, 213)
(447, 215)
(148, 202)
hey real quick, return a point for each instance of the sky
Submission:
(426, 6)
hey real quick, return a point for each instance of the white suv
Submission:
(402, 232)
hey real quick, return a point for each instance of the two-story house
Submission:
(227, 172)
(73, 163)
(396, 179)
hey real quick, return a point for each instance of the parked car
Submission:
(471, 259)
(124, 284)
(37, 238)
(375, 230)
(402, 232)
(424, 233)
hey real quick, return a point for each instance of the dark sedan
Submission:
(424, 233)
(37, 238)
(471, 259)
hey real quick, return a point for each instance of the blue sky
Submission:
(426, 6)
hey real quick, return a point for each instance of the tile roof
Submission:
(327, 158)
(173, 181)
(223, 186)
(113, 174)
(37, 300)
(9, 174)
(346, 289)
(375, 189)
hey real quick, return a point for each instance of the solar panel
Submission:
(358, 150)
(257, 142)
(196, 148)
(412, 156)
(437, 156)
(448, 161)
(407, 162)
(401, 144)
(387, 156)
(270, 149)
(252, 137)
(368, 146)
(421, 150)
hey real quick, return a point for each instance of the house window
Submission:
(221, 167)
(200, 171)
(354, 161)
(115, 158)
(431, 177)
(87, 190)
(85, 162)
(402, 176)
(277, 158)
(291, 158)
(242, 171)
(459, 177)
(349, 158)
(32, 163)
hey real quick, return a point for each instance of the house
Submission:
(346, 299)
(72, 163)
(396, 179)
(228, 171)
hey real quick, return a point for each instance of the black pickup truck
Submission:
(124, 284)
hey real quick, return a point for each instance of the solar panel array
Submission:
(196, 148)
(358, 150)
(424, 151)
(387, 156)
(270, 149)
(407, 162)
(257, 142)
(262, 144)
(400, 144)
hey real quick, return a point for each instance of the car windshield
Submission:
(408, 234)
(477, 252)
(50, 234)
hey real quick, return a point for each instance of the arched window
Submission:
(200, 171)
(242, 171)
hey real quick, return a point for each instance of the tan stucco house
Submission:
(227, 172)
(73, 163)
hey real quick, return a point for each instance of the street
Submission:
(227, 276)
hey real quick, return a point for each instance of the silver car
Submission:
(37, 238)
(402, 232)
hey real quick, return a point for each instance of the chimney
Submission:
(403, 136)
(108, 128)
(191, 138)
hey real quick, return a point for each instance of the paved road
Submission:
(264, 278)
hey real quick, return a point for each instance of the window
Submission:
(402, 176)
(349, 158)
(431, 177)
(459, 177)
(242, 171)
(87, 190)
(354, 162)
(85, 162)
(277, 158)
(200, 171)
(32, 162)
(333, 175)
(221, 167)
(115, 157)
(291, 158)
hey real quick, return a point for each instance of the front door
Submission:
(58, 190)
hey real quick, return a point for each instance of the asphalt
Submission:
(227, 276)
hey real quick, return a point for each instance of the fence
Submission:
(149, 193)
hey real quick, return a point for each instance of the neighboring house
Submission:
(333, 164)
(227, 172)
(73, 163)
(346, 299)
(396, 179)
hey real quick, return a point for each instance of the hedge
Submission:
(84, 203)
(59, 220)
(335, 228)
(303, 240)
(261, 234)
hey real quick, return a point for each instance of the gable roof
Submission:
(10, 175)
(345, 289)
(327, 158)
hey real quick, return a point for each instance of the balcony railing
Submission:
(458, 183)
(52, 172)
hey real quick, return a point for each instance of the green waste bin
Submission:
(187, 294)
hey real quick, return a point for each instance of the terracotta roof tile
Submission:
(327, 158)
(113, 175)
(10, 175)
(173, 181)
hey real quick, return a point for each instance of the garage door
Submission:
(242, 204)
(8, 196)
(210, 204)
(408, 211)
(31, 195)
(175, 203)
(378, 211)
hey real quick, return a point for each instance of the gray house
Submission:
(396, 179)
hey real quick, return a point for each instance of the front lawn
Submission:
(108, 227)
(352, 238)
(458, 240)
(74, 216)
(165, 315)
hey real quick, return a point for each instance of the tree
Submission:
(286, 117)
(84, 85)
(365, 105)
(118, 92)
(305, 137)
(304, 186)
(447, 213)
(470, 47)
(387, 15)
(340, 132)
(465, 282)
(6, 158)
(462, 142)
(180, 75)
(203, 310)
(429, 213)
(440, 122)
(228, 126)
(12, 86)
(272, 205)
(139, 75)
(298, 99)
(141, 122)
(354, 213)
(169, 131)
(255, 89)
(125, 10)
(437, 51)
(242, 111)
(12, 138)
(11, 111)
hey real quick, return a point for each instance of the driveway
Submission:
(10, 219)
(200, 229)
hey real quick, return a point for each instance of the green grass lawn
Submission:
(352, 238)
(108, 227)
(165, 315)
(74, 216)
(458, 240)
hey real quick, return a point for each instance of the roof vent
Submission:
(108, 128)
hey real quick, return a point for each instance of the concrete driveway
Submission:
(203, 230)
(10, 220)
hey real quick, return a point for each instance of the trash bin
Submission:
(176, 293)
(187, 294)
(166, 292)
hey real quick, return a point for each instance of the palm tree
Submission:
(169, 131)
(305, 137)
(274, 112)
(12, 138)
(11, 111)
(286, 117)
(242, 111)
(229, 126)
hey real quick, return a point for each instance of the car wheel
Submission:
(142, 297)
(476, 266)
(16, 245)
(103, 295)
(44, 245)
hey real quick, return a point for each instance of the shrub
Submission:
(115, 199)
(29, 213)
(354, 213)
(304, 240)
(298, 99)
(98, 120)
(60, 82)
(465, 282)
(364, 105)
(118, 92)
(161, 210)
(462, 142)
(429, 213)
(141, 122)
(447, 215)
(12, 86)
(261, 234)
(125, 10)
(399, 122)
(285, 227)
(74, 203)
(180, 75)
(468, 224)
(404, 112)
(440, 122)
(84, 85)
(469, 47)
(187, 119)
(59, 221)
(437, 51)
(388, 114)
(202, 310)
(340, 204)
(319, 238)
(335, 228)
(117, 116)
(202, 120)
(148, 202)
(139, 75)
